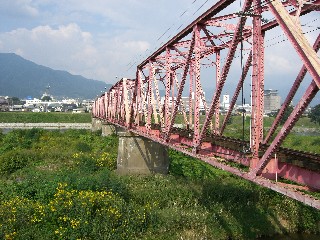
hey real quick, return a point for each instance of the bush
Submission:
(14, 160)
(83, 147)
(73, 214)
(314, 115)
(64, 190)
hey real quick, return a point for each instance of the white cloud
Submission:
(69, 48)
(279, 63)
(19, 8)
(97, 39)
(101, 38)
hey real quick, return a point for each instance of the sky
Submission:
(106, 39)
(99, 39)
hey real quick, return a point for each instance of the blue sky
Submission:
(98, 39)
(101, 39)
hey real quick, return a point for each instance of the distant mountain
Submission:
(21, 78)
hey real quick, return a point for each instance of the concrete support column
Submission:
(96, 124)
(139, 155)
(108, 129)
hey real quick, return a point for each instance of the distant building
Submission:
(4, 104)
(245, 108)
(32, 101)
(225, 102)
(185, 102)
(272, 101)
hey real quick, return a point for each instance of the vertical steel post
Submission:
(168, 86)
(106, 104)
(149, 96)
(218, 75)
(126, 102)
(191, 94)
(257, 85)
(197, 94)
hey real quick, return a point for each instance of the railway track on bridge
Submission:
(310, 161)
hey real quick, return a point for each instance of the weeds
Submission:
(62, 186)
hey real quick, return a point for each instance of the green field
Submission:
(58, 185)
(42, 117)
(234, 128)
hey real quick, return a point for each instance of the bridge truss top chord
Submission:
(208, 48)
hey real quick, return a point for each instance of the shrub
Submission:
(316, 141)
(73, 214)
(83, 147)
(14, 160)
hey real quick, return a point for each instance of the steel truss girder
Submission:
(137, 104)
(296, 37)
(236, 39)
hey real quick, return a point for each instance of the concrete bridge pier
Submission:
(139, 155)
(96, 124)
(108, 129)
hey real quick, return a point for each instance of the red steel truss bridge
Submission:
(205, 53)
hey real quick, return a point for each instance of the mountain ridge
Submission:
(20, 77)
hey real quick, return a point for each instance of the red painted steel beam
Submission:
(197, 86)
(236, 39)
(292, 119)
(296, 37)
(133, 106)
(218, 7)
(307, 8)
(181, 87)
(290, 96)
(168, 87)
(237, 92)
(257, 83)
(218, 76)
(150, 79)
(185, 56)
(272, 24)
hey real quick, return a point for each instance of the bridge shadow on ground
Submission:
(241, 209)
(236, 209)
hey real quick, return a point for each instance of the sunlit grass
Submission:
(67, 189)
(41, 117)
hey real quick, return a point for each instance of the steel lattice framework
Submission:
(149, 104)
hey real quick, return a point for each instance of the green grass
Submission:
(31, 117)
(309, 144)
(63, 186)
(294, 140)
(237, 120)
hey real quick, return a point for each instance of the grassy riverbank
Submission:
(295, 140)
(41, 117)
(62, 186)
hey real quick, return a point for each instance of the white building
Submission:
(272, 101)
(32, 102)
(225, 102)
